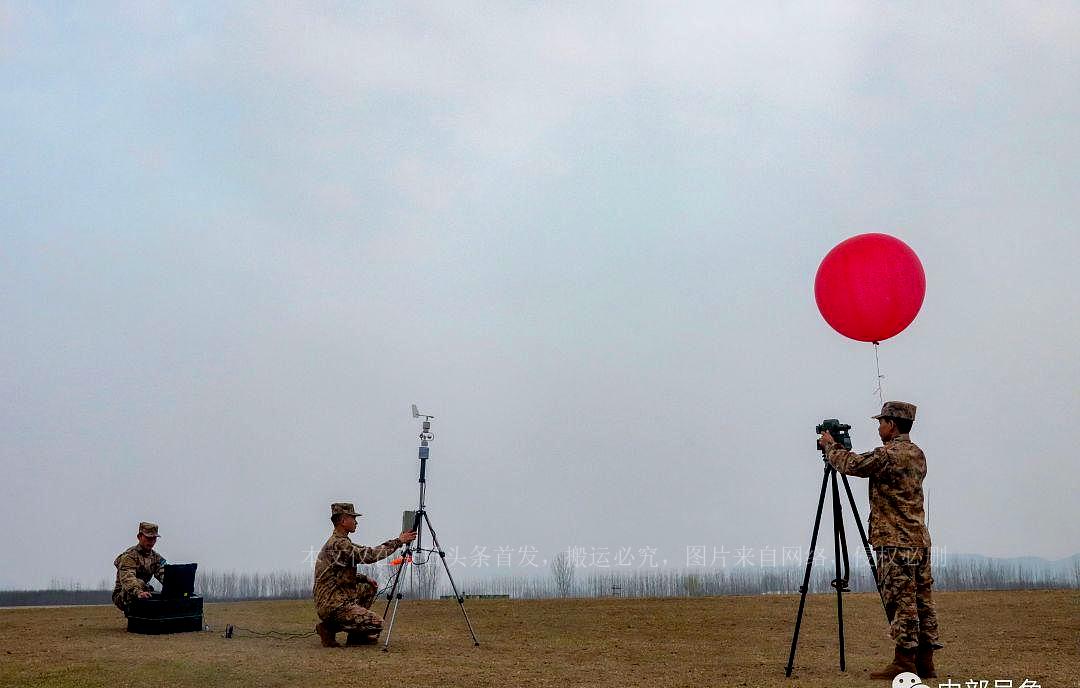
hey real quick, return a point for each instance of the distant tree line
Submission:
(22, 598)
(428, 581)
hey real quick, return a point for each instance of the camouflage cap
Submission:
(897, 409)
(148, 529)
(343, 508)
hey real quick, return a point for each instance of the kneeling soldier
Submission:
(343, 598)
(135, 566)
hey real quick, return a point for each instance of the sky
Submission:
(238, 240)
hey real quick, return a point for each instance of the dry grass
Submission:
(722, 641)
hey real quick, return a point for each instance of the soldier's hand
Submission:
(408, 536)
(826, 440)
(143, 594)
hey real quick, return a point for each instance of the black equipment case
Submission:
(155, 615)
(175, 610)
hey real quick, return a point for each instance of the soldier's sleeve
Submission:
(859, 465)
(370, 555)
(125, 573)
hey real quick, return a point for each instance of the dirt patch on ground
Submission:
(720, 641)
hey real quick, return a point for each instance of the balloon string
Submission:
(880, 378)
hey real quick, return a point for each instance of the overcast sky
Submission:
(239, 241)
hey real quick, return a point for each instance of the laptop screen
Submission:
(179, 580)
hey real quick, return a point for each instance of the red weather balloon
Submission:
(870, 287)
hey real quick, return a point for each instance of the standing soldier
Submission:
(135, 566)
(342, 597)
(899, 535)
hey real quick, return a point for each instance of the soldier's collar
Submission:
(902, 437)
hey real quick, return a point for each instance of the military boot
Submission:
(903, 660)
(326, 635)
(357, 638)
(924, 660)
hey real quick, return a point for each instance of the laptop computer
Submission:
(179, 580)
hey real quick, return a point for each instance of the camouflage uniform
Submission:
(898, 530)
(342, 597)
(135, 567)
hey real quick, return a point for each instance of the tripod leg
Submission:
(396, 601)
(394, 586)
(806, 577)
(457, 595)
(866, 545)
(840, 550)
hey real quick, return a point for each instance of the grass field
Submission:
(719, 641)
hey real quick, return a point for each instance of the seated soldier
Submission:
(342, 597)
(135, 566)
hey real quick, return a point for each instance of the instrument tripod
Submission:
(840, 551)
(419, 521)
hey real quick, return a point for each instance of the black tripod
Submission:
(840, 583)
(419, 521)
